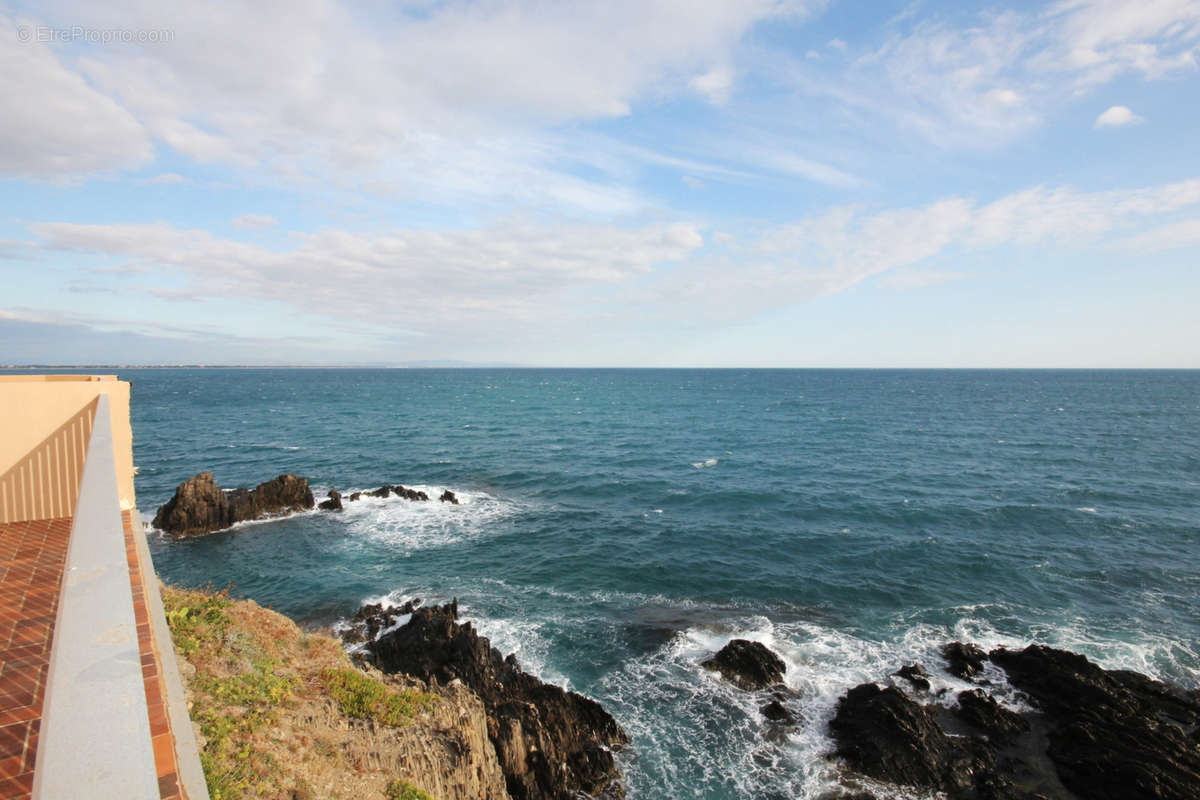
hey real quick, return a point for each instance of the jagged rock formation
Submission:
(200, 506)
(334, 503)
(914, 674)
(449, 497)
(1099, 734)
(399, 491)
(552, 744)
(748, 665)
(373, 618)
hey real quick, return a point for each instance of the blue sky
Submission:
(703, 183)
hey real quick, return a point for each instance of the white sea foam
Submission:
(409, 525)
(672, 706)
(1086, 510)
(708, 462)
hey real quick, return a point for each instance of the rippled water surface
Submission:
(619, 526)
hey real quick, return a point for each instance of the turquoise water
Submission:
(619, 526)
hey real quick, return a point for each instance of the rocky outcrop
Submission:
(1112, 734)
(748, 665)
(884, 735)
(409, 494)
(1093, 734)
(551, 743)
(916, 675)
(374, 618)
(963, 660)
(334, 503)
(399, 491)
(199, 506)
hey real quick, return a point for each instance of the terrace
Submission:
(91, 702)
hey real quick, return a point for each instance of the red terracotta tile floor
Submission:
(32, 557)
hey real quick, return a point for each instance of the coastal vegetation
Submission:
(277, 711)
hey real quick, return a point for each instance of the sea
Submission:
(617, 527)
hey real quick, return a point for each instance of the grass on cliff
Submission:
(403, 790)
(248, 668)
(363, 697)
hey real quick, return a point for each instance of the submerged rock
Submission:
(748, 665)
(777, 712)
(334, 503)
(551, 743)
(199, 506)
(1094, 734)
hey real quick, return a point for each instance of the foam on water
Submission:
(407, 526)
(692, 728)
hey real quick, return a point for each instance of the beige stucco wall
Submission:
(34, 407)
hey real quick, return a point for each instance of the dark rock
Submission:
(776, 711)
(448, 497)
(382, 491)
(883, 734)
(1112, 734)
(199, 506)
(963, 660)
(551, 743)
(981, 711)
(409, 494)
(748, 665)
(914, 674)
(373, 618)
(334, 503)
(1095, 734)
(354, 496)
(284, 493)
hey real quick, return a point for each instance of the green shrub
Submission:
(195, 618)
(364, 697)
(403, 790)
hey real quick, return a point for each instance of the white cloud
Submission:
(416, 279)
(455, 95)
(1117, 116)
(714, 84)
(984, 83)
(1173, 236)
(692, 183)
(56, 126)
(835, 251)
(254, 222)
(519, 276)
